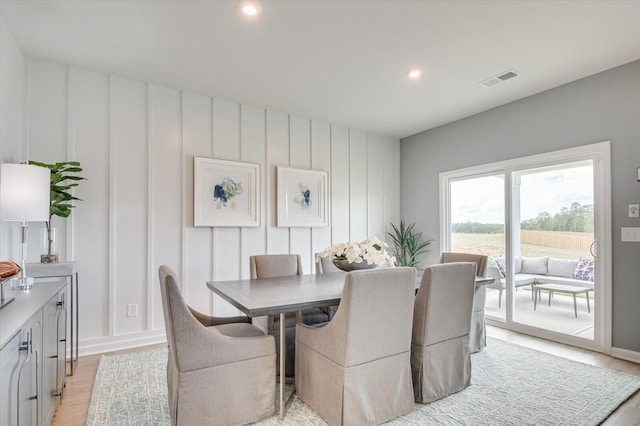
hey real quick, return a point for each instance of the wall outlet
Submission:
(631, 234)
(132, 310)
(634, 210)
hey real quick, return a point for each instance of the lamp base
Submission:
(24, 283)
(5, 302)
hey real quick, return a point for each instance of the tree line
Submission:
(577, 218)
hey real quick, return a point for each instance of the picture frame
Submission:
(302, 198)
(225, 193)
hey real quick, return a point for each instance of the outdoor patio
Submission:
(558, 317)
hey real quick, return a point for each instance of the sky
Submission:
(482, 199)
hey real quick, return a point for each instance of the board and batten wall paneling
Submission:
(321, 160)
(165, 153)
(300, 158)
(46, 135)
(12, 99)
(392, 189)
(129, 169)
(357, 185)
(136, 142)
(226, 241)
(89, 221)
(375, 187)
(277, 155)
(197, 140)
(340, 202)
(253, 150)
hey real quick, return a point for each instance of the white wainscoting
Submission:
(136, 143)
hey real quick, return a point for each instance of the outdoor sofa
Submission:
(543, 270)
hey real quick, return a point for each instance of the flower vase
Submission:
(49, 246)
(346, 266)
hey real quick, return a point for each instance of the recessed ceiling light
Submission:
(250, 8)
(414, 73)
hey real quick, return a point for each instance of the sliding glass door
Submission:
(477, 224)
(553, 235)
(542, 222)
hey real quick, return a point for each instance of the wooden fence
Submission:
(563, 240)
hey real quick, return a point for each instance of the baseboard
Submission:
(626, 354)
(124, 341)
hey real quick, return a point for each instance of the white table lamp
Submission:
(24, 197)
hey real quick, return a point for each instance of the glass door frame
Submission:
(600, 154)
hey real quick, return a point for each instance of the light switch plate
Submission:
(634, 210)
(631, 234)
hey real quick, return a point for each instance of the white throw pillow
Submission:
(535, 265)
(517, 263)
(562, 267)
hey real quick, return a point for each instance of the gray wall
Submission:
(602, 107)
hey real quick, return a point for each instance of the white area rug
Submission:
(511, 385)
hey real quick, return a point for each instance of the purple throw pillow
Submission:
(584, 270)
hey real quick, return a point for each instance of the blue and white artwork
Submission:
(304, 198)
(224, 193)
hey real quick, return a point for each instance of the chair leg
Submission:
(550, 294)
(575, 305)
(588, 308)
(499, 298)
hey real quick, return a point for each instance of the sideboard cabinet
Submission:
(32, 354)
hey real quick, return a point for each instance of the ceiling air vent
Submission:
(500, 78)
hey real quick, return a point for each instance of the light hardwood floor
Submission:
(73, 410)
(77, 393)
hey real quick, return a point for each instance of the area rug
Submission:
(511, 385)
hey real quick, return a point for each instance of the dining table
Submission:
(282, 295)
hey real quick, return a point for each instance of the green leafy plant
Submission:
(63, 177)
(408, 245)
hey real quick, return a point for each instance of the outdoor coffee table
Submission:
(562, 288)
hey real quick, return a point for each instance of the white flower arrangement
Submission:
(372, 250)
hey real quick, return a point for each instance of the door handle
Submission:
(593, 249)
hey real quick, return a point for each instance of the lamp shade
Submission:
(24, 193)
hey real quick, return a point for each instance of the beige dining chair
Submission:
(324, 265)
(355, 370)
(219, 370)
(281, 265)
(478, 334)
(440, 354)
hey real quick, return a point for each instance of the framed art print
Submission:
(302, 198)
(225, 193)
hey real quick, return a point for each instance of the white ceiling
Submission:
(340, 61)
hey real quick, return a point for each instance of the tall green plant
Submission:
(408, 245)
(63, 177)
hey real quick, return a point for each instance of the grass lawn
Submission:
(493, 245)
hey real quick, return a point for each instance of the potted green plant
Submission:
(408, 245)
(63, 175)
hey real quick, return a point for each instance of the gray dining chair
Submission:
(219, 370)
(281, 265)
(440, 353)
(478, 334)
(356, 369)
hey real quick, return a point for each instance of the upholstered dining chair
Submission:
(440, 354)
(219, 370)
(281, 265)
(355, 370)
(478, 334)
(324, 265)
